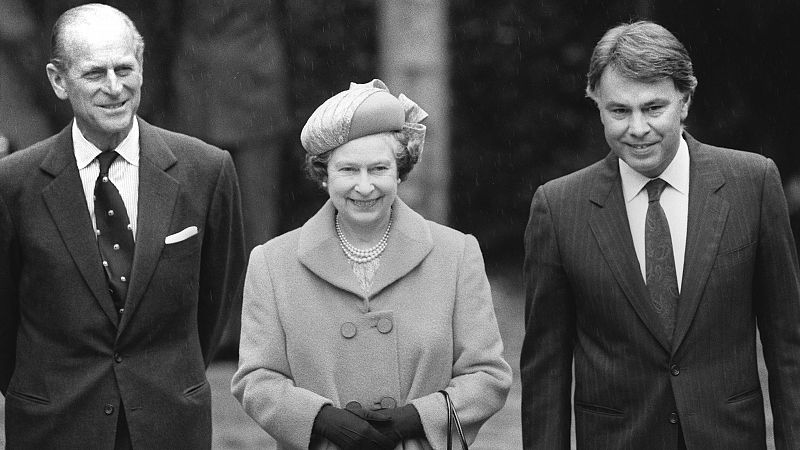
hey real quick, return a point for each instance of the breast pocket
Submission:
(735, 256)
(187, 246)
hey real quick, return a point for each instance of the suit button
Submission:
(385, 325)
(348, 329)
(353, 406)
(674, 370)
(117, 357)
(673, 418)
(108, 409)
(388, 402)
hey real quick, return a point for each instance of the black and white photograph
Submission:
(399, 225)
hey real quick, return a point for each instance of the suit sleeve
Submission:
(776, 298)
(547, 348)
(481, 378)
(263, 383)
(223, 260)
(9, 307)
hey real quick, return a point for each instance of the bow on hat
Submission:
(364, 109)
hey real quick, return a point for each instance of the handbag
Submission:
(452, 417)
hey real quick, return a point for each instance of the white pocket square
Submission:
(182, 235)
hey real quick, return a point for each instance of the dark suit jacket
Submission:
(66, 362)
(585, 298)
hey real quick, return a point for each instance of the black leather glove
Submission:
(350, 430)
(405, 423)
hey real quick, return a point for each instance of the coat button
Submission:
(117, 357)
(348, 329)
(385, 325)
(388, 402)
(674, 370)
(353, 406)
(673, 418)
(108, 409)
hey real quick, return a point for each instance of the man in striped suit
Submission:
(650, 270)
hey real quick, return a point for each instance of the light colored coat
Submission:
(429, 324)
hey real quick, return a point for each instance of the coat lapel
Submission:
(158, 192)
(319, 250)
(66, 202)
(707, 214)
(609, 224)
(409, 242)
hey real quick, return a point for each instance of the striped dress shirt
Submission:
(124, 171)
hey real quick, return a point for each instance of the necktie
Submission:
(114, 235)
(662, 282)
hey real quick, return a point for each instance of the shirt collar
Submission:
(676, 174)
(86, 152)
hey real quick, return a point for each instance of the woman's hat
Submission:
(362, 110)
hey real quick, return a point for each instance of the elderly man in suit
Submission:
(121, 247)
(650, 269)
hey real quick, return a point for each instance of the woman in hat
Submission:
(352, 323)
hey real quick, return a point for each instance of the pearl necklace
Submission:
(362, 256)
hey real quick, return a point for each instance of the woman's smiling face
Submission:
(362, 181)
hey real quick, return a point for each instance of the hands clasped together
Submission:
(359, 428)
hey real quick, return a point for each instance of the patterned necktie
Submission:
(662, 281)
(114, 232)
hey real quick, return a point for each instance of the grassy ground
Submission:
(233, 429)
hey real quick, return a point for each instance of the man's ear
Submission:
(57, 81)
(687, 101)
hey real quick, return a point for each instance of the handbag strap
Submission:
(452, 417)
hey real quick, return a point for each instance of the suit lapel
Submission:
(707, 214)
(66, 202)
(609, 224)
(158, 192)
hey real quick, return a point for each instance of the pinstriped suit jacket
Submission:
(586, 302)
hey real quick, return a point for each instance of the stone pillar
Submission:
(414, 60)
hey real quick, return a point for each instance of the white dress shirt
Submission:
(674, 201)
(124, 171)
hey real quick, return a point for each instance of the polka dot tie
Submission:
(114, 235)
(662, 282)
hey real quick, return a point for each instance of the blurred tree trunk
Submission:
(644, 8)
(414, 60)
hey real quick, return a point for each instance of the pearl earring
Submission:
(324, 184)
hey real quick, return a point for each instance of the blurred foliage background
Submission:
(518, 114)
